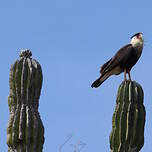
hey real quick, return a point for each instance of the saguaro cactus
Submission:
(128, 119)
(25, 131)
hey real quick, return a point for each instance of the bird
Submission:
(123, 61)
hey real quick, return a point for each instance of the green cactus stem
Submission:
(25, 131)
(128, 120)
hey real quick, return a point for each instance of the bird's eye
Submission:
(138, 36)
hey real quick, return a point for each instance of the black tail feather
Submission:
(99, 81)
(96, 83)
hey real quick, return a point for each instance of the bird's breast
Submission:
(132, 59)
(138, 50)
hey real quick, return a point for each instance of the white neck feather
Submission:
(136, 43)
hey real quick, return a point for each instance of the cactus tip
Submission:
(26, 53)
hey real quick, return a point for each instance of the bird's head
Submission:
(137, 40)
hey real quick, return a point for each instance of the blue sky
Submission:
(71, 39)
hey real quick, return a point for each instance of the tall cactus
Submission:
(25, 131)
(128, 119)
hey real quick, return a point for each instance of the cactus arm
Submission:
(128, 120)
(25, 131)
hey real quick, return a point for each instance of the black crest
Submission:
(136, 34)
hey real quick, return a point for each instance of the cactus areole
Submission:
(128, 120)
(25, 131)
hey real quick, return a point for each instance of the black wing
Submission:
(121, 57)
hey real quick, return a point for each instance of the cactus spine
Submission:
(25, 131)
(128, 120)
